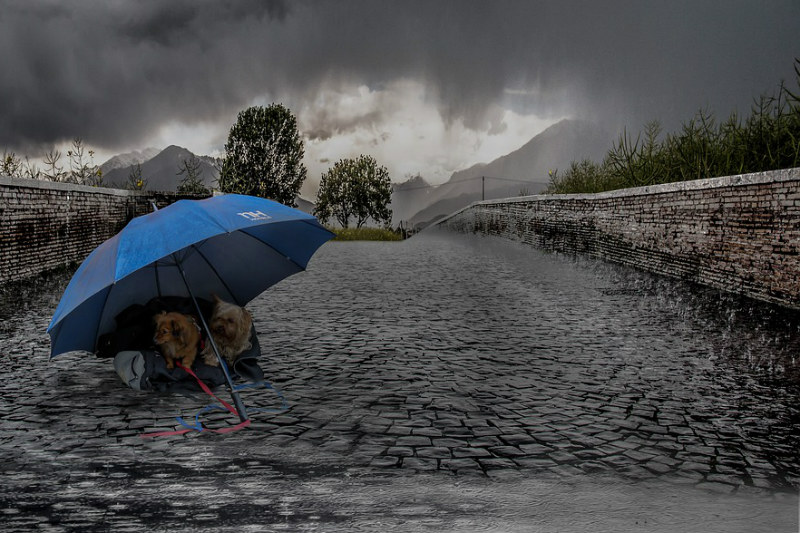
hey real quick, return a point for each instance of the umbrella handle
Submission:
(239, 404)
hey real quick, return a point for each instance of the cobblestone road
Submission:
(445, 383)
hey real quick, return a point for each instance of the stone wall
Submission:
(740, 233)
(46, 225)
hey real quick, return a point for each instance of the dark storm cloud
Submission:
(112, 72)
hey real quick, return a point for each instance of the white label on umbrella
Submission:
(254, 215)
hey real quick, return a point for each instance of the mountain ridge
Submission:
(522, 171)
(162, 170)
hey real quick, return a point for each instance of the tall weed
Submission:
(768, 139)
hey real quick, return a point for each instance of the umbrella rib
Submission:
(214, 270)
(316, 225)
(99, 322)
(275, 249)
(158, 280)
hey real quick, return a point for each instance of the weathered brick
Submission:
(722, 232)
(45, 226)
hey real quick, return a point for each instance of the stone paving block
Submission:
(658, 468)
(457, 432)
(485, 431)
(400, 451)
(562, 457)
(701, 450)
(609, 436)
(515, 439)
(535, 449)
(427, 432)
(450, 442)
(461, 465)
(386, 461)
(471, 452)
(413, 441)
(433, 452)
(398, 430)
(618, 460)
(638, 456)
(535, 462)
(485, 442)
(653, 429)
(588, 454)
(506, 451)
(628, 444)
(496, 463)
(416, 463)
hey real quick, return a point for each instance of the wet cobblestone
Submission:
(466, 357)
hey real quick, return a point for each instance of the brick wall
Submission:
(46, 225)
(740, 233)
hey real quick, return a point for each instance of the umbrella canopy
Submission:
(234, 246)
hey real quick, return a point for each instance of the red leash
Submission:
(207, 390)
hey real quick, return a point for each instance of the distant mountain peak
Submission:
(129, 159)
(414, 181)
(524, 170)
(161, 170)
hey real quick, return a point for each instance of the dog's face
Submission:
(170, 327)
(230, 322)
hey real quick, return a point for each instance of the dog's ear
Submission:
(176, 329)
(216, 297)
(245, 322)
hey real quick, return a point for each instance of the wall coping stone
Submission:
(741, 180)
(56, 185)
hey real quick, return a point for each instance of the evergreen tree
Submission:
(263, 155)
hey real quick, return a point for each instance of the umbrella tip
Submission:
(155, 207)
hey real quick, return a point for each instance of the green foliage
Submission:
(14, 167)
(768, 139)
(192, 181)
(366, 234)
(263, 155)
(11, 165)
(355, 188)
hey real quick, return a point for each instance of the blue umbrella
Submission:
(232, 245)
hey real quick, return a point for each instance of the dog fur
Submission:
(178, 338)
(230, 328)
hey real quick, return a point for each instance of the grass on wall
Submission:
(768, 139)
(365, 234)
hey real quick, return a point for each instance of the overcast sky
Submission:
(427, 86)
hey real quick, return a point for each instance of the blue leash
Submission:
(198, 426)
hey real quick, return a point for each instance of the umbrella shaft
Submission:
(237, 401)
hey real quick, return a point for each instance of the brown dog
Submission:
(178, 337)
(230, 329)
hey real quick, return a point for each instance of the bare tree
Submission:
(82, 169)
(136, 181)
(53, 171)
(192, 182)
